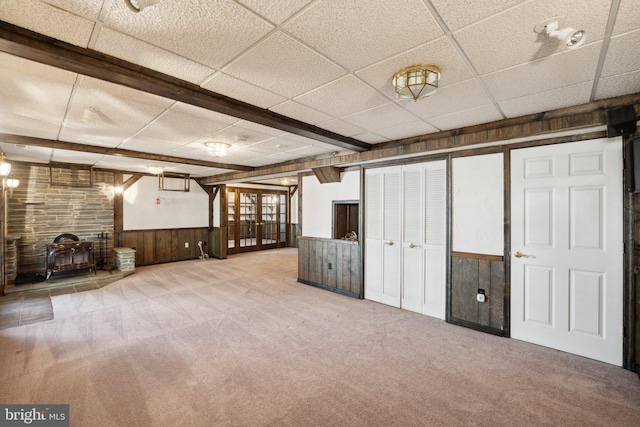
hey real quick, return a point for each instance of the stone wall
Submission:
(38, 211)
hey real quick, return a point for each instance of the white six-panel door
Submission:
(405, 237)
(567, 247)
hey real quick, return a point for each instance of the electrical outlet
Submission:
(481, 296)
(186, 244)
(330, 266)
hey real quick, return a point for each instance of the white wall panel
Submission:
(478, 204)
(177, 209)
(317, 202)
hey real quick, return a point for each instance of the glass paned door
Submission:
(257, 219)
(248, 220)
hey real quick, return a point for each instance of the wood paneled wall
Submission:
(334, 265)
(160, 246)
(469, 273)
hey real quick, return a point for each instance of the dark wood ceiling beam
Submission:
(63, 145)
(46, 50)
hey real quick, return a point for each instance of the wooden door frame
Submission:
(258, 246)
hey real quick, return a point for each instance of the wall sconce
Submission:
(5, 167)
(11, 183)
(117, 189)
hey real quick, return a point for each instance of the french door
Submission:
(257, 219)
(566, 242)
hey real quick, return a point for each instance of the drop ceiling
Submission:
(325, 63)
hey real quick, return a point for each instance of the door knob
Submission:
(390, 243)
(411, 245)
(519, 254)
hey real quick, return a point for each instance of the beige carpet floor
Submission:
(240, 342)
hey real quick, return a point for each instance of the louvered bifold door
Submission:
(412, 223)
(373, 235)
(434, 243)
(391, 235)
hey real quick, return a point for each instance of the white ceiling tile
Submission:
(22, 153)
(312, 150)
(460, 13)
(460, 119)
(622, 55)
(275, 11)
(461, 96)
(89, 9)
(77, 157)
(381, 117)
(280, 157)
(547, 101)
(34, 97)
(49, 20)
(566, 69)
(356, 33)
(150, 145)
(341, 127)
(622, 84)
(194, 29)
(138, 52)
(628, 17)
(256, 127)
(118, 113)
(439, 52)
(282, 144)
(235, 88)
(180, 126)
(508, 39)
(407, 130)
(371, 138)
(285, 66)
(301, 112)
(343, 97)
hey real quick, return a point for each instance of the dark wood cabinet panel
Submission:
(334, 265)
(471, 274)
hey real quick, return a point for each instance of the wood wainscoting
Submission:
(471, 273)
(160, 246)
(334, 265)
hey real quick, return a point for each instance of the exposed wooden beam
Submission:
(46, 50)
(572, 118)
(327, 174)
(132, 180)
(63, 145)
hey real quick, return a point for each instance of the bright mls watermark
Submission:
(34, 415)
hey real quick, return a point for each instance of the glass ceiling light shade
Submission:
(416, 82)
(5, 167)
(571, 37)
(138, 5)
(155, 169)
(217, 149)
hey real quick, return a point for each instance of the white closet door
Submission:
(434, 244)
(373, 235)
(391, 234)
(412, 257)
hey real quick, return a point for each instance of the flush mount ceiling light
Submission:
(155, 169)
(217, 149)
(416, 82)
(571, 37)
(138, 5)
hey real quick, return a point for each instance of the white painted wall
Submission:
(177, 209)
(294, 208)
(317, 202)
(478, 204)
